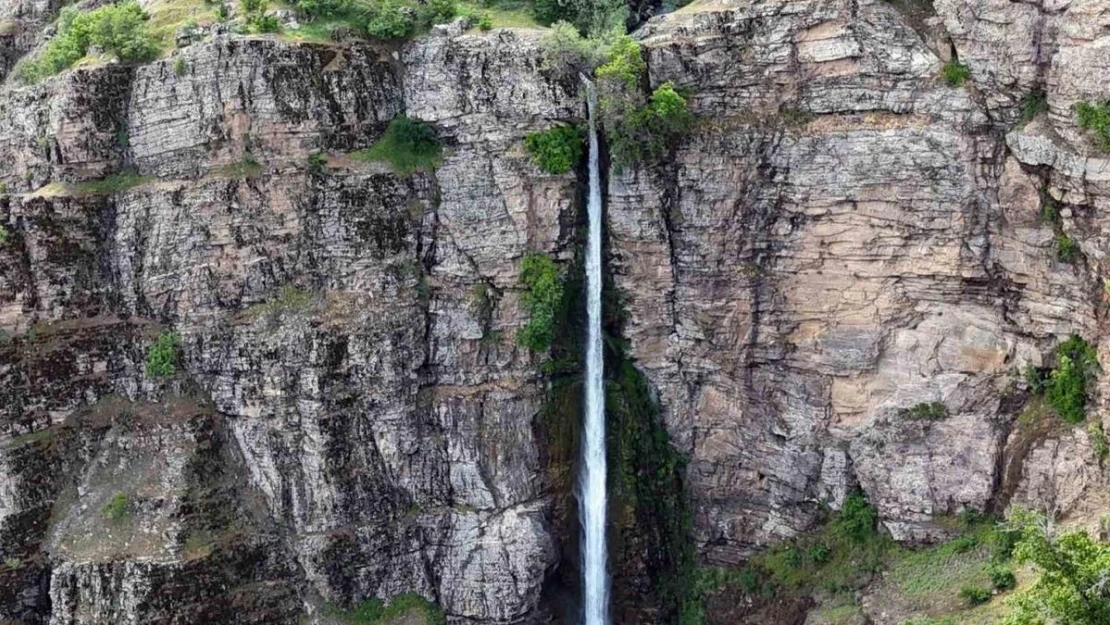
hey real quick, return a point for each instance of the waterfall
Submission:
(591, 496)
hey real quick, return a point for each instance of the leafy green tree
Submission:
(117, 29)
(1074, 583)
(391, 20)
(556, 150)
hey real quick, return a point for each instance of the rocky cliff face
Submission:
(845, 236)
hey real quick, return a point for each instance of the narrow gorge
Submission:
(406, 312)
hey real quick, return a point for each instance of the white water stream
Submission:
(592, 496)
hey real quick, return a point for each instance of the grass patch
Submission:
(116, 183)
(245, 168)
(955, 73)
(408, 145)
(405, 608)
(169, 16)
(1095, 118)
(1032, 104)
(502, 14)
(118, 508)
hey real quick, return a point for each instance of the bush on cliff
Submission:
(542, 292)
(1065, 387)
(1095, 117)
(117, 29)
(161, 360)
(556, 150)
(408, 145)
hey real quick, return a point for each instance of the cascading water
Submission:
(591, 496)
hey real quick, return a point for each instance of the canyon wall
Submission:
(843, 237)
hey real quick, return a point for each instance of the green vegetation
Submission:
(485, 22)
(289, 300)
(13, 563)
(975, 595)
(1032, 104)
(955, 73)
(258, 21)
(3, 236)
(564, 48)
(179, 66)
(638, 130)
(1098, 440)
(246, 167)
(940, 582)
(541, 297)
(408, 145)
(116, 183)
(1066, 249)
(1065, 386)
(557, 150)
(1002, 577)
(409, 608)
(1073, 569)
(118, 508)
(931, 411)
(317, 164)
(1095, 117)
(118, 29)
(161, 360)
(591, 17)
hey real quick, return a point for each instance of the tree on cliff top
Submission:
(117, 29)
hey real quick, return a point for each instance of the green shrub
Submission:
(440, 11)
(595, 18)
(1066, 386)
(1098, 440)
(1066, 249)
(13, 563)
(324, 8)
(1002, 577)
(565, 49)
(931, 411)
(485, 22)
(161, 360)
(648, 133)
(963, 544)
(1095, 117)
(179, 66)
(317, 164)
(3, 236)
(856, 518)
(955, 73)
(1032, 104)
(119, 507)
(117, 29)
(624, 66)
(819, 553)
(975, 595)
(1050, 209)
(542, 292)
(391, 20)
(557, 150)
(408, 145)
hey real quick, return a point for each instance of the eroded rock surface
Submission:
(843, 237)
